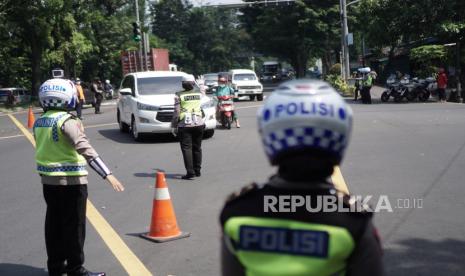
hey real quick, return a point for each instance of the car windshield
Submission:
(4, 92)
(211, 77)
(245, 77)
(159, 85)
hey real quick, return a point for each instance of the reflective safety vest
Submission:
(55, 155)
(367, 81)
(190, 102)
(269, 247)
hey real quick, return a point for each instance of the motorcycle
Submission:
(404, 90)
(225, 110)
(392, 89)
(108, 94)
(420, 89)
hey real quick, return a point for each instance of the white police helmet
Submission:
(58, 94)
(188, 78)
(305, 117)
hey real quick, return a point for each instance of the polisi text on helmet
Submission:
(48, 87)
(304, 108)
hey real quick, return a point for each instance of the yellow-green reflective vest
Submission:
(55, 156)
(272, 247)
(368, 81)
(190, 102)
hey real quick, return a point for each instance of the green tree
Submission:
(294, 33)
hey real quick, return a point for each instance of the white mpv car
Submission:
(146, 103)
(245, 83)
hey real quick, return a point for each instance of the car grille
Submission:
(165, 113)
(164, 116)
(248, 87)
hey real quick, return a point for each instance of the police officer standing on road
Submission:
(98, 94)
(305, 128)
(61, 154)
(367, 82)
(81, 99)
(188, 123)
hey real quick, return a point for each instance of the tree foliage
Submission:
(294, 33)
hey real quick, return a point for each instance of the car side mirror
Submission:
(125, 91)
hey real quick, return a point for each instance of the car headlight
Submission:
(208, 104)
(142, 106)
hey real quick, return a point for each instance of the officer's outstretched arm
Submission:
(230, 265)
(366, 260)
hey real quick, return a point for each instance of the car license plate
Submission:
(249, 91)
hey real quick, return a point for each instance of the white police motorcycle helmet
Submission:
(305, 117)
(58, 94)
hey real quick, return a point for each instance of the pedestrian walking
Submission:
(188, 123)
(262, 237)
(97, 89)
(61, 155)
(81, 99)
(442, 85)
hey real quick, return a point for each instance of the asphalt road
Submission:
(410, 153)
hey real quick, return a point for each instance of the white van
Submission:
(245, 83)
(146, 103)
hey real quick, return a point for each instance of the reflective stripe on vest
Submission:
(55, 156)
(190, 103)
(268, 247)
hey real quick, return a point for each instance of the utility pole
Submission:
(140, 42)
(458, 73)
(344, 37)
(342, 54)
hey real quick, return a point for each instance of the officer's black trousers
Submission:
(98, 102)
(65, 226)
(190, 139)
(366, 95)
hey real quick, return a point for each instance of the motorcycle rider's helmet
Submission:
(306, 118)
(59, 94)
(222, 79)
(107, 81)
(188, 82)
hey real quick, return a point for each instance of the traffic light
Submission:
(136, 32)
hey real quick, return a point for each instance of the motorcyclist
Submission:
(225, 90)
(305, 128)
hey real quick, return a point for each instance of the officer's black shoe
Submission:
(198, 174)
(188, 176)
(84, 272)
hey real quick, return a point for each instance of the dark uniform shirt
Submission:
(365, 258)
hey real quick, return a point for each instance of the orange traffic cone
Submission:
(30, 118)
(163, 227)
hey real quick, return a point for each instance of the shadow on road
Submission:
(125, 138)
(154, 173)
(425, 257)
(21, 270)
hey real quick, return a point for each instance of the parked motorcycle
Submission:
(420, 90)
(225, 109)
(404, 90)
(392, 89)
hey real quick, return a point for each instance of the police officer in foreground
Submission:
(61, 155)
(188, 123)
(305, 128)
